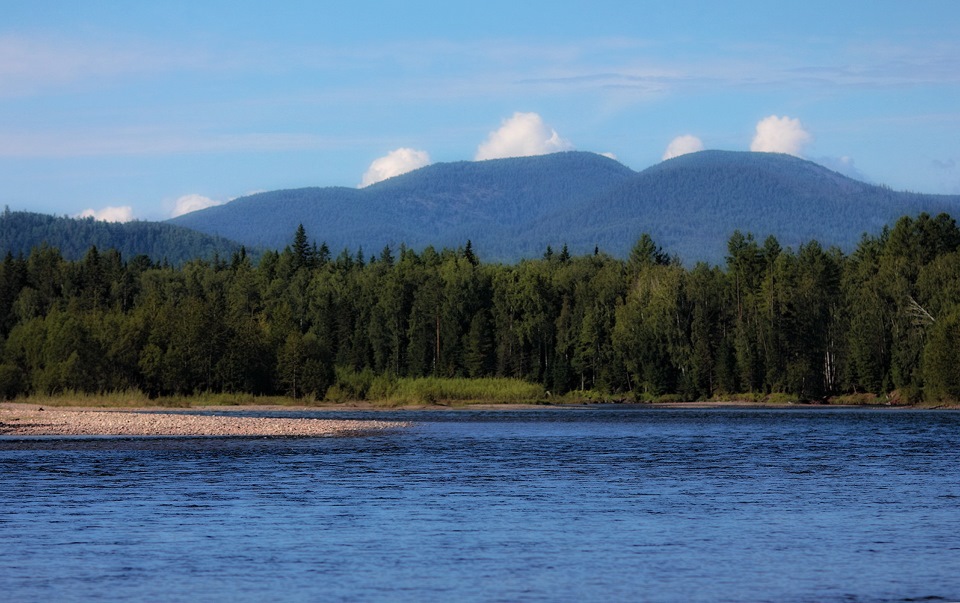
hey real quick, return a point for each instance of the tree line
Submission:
(810, 322)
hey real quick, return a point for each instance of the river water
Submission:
(598, 504)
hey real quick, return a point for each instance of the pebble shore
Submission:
(36, 422)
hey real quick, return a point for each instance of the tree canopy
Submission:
(810, 322)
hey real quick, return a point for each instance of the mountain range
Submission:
(22, 231)
(514, 208)
(494, 203)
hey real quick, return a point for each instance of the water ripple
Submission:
(542, 505)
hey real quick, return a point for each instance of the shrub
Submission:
(781, 398)
(432, 390)
(11, 381)
(351, 384)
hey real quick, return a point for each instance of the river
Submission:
(593, 504)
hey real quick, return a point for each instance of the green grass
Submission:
(123, 399)
(592, 396)
(364, 386)
(759, 398)
(752, 397)
(859, 399)
(387, 391)
(434, 390)
(781, 398)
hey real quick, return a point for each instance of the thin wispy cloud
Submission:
(31, 65)
(157, 141)
(772, 67)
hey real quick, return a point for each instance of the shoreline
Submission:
(32, 420)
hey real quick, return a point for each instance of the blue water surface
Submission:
(598, 504)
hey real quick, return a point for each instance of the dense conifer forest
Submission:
(809, 322)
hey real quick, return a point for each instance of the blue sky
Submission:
(155, 108)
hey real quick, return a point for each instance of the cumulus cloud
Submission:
(522, 135)
(109, 214)
(681, 145)
(780, 135)
(394, 163)
(189, 203)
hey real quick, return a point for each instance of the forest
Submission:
(513, 208)
(21, 231)
(808, 322)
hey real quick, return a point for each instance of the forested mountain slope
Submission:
(22, 231)
(444, 205)
(691, 204)
(513, 208)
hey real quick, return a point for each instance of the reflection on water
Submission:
(551, 505)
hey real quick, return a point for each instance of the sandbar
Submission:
(88, 422)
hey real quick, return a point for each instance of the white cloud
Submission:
(843, 165)
(522, 135)
(394, 163)
(681, 145)
(780, 135)
(109, 214)
(610, 156)
(190, 203)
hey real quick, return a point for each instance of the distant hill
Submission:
(691, 205)
(494, 203)
(22, 231)
(514, 208)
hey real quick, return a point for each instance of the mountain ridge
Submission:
(513, 208)
(22, 231)
(443, 204)
(712, 193)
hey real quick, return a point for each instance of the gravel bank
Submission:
(113, 422)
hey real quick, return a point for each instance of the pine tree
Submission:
(468, 254)
(302, 253)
